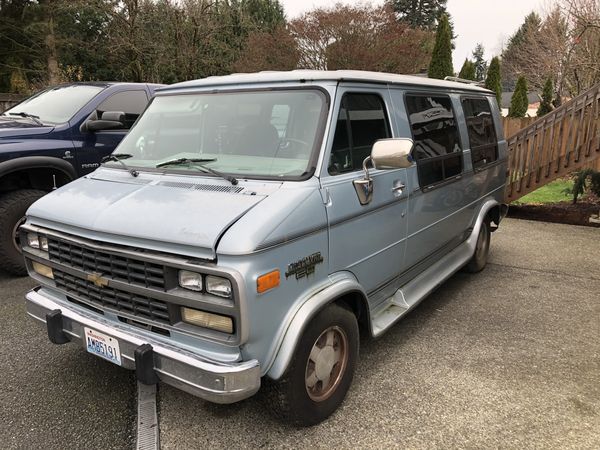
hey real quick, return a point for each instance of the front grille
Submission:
(121, 268)
(113, 299)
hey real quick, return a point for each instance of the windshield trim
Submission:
(314, 155)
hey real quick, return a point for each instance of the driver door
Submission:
(367, 240)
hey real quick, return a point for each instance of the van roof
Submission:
(323, 75)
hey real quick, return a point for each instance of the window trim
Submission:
(486, 98)
(349, 128)
(444, 181)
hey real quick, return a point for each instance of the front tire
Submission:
(12, 215)
(321, 371)
(482, 250)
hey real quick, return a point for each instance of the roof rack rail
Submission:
(462, 80)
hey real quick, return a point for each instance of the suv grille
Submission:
(113, 299)
(139, 273)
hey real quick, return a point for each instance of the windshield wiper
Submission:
(196, 163)
(33, 117)
(118, 157)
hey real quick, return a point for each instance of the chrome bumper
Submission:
(211, 380)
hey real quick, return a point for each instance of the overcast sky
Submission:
(490, 22)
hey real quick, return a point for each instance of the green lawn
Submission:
(551, 193)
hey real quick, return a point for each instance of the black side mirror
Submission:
(110, 120)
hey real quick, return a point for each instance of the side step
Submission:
(388, 312)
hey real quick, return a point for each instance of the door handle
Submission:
(398, 187)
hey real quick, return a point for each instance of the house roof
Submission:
(322, 75)
(532, 97)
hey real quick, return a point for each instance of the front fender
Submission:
(342, 283)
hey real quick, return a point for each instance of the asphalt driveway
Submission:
(508, 358)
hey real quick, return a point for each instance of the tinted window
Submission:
(132, 103)
(482, 133)
(437, 144)
(362, 121)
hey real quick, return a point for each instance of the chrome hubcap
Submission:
(326, 364)
(15, 234)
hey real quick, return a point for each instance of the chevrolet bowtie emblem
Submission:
(97, 279)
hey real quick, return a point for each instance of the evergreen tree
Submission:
(419, 13)
(519, 103)
(547, 96)
(468, 70)
(479, 62)
(441, 58)
(493, 81)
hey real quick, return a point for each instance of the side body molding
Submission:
(342, 283)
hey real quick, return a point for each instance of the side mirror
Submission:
(392, 153)
(110, 120)
(385, 154)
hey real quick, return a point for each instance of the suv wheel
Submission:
(321, 371)
(482, 250)
(12, 215)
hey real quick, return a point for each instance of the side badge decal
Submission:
(304, 267)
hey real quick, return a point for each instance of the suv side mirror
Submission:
(385, 154)
(110, 120)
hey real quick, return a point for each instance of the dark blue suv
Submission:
(52, 138)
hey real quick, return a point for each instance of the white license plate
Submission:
(102, 345)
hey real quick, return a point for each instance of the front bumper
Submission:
(211, 380)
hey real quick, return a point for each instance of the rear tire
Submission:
(321, 370)
(482, 250)
(12, 214)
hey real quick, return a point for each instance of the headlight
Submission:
(190, 280)
(207, 320)
(218, 286)
(34, 240)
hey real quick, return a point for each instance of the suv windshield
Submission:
(250, 133)
(56, 105)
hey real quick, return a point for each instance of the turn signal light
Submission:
(207, 320)
(42, 269)
(268, 281)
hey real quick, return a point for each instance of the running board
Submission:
(413, 292)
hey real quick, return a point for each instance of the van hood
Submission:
(159, 213)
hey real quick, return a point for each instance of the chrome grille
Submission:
(136, 272)
(109, 298)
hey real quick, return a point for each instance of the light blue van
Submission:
(251, 226)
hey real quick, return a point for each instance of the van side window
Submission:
(362, 121)
(437, 150)
(482, 133)
(132, 103)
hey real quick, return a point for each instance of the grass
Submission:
(551, 193)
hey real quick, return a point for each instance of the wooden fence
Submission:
(9, 100)
(555, 145)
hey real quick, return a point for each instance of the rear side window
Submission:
(482, 133)
(361, 122)
(132, 103)
(437, 150)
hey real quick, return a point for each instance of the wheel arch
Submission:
(35, 172)
(345, 291)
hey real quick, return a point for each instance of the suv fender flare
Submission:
(37, 162)
(343, 283)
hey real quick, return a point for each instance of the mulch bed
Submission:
(564, 212)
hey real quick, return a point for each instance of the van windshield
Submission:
(250, 133)
(56, 105)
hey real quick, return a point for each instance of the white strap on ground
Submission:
(147, 423)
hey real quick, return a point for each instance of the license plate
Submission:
(102, 345)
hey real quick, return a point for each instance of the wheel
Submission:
(321, 371)
(482, 250)
(12, 215)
